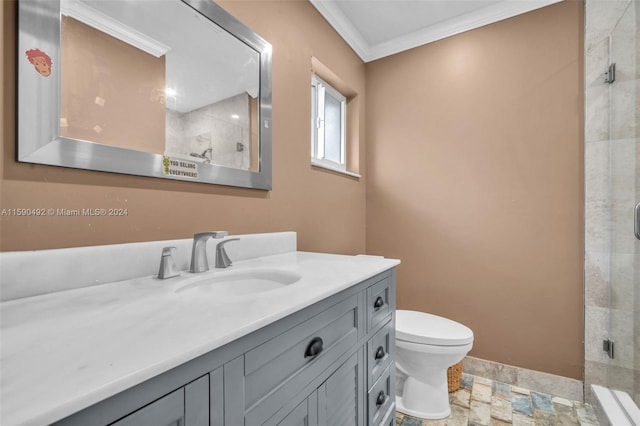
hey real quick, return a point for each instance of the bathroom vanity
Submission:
(314, 346)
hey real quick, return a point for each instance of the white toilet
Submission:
(426, 346)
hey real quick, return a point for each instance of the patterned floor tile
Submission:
(501, 390)
(495, 422)
(461, 397)
(557, 400)
(481, 392)
(544, 418)
(521, 391)
(565, 414)
(483, 380)
(480, 413)
(411, 421)
(466, 382)
(483, 402)
(459, 416)
(444, 422)
(522, 405)
(586, 416)
(501, 409)
(522, 420)
(542, 401)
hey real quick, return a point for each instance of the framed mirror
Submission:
(173, 89)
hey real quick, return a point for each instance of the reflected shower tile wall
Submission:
(213, 127)
(174, 134)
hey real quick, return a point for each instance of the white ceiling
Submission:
(378, 28)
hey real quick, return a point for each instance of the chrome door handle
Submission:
(636, 221)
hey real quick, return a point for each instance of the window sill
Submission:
(334, 169)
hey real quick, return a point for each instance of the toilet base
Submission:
(425, 400)
(419, 414)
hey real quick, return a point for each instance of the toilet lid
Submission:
(420, 327)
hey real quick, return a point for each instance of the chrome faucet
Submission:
(222, 258)
(199, 262)
(168, 267)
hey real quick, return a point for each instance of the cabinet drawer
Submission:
(288, 360)
(379, 303)
(380, 352)
(380, 398)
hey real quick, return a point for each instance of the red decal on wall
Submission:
(40, 60)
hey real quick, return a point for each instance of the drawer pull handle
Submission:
(380, 353)
(314, 348)
(379, 303)
(381, 399)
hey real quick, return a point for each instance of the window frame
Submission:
(319, 89)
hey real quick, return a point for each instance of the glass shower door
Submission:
(624, 132)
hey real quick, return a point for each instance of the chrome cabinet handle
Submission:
(636, 221)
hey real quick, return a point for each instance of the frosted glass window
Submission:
(328, 112)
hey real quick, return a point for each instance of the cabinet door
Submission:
(166, 411)
(196, 402)
(303, 415)
(187, 406)
(340, 399)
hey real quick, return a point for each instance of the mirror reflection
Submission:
(175, 89)
(148, 85)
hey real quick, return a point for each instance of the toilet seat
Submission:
(429, 329)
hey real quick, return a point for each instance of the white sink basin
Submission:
(238, 283)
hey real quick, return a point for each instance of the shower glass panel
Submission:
(624, 185)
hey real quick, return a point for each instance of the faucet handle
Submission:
(168, 251)
(222, 259)
(211, 234)
(168, 267)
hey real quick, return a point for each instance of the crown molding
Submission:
(343, 26)
(487, 15)
(98, 20)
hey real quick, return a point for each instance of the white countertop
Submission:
(64, 351)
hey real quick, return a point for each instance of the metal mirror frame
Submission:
(39, 140)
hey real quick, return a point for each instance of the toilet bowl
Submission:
(426, 345)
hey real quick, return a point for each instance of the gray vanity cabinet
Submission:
(330, 364)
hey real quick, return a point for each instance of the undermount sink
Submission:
(238, 283)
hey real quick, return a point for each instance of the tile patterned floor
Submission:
(485, 402)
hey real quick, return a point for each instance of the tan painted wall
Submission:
(104, 98)
(474, 154)
(327, 210)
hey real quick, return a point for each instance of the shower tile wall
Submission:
(612, 151)
(212, 127)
